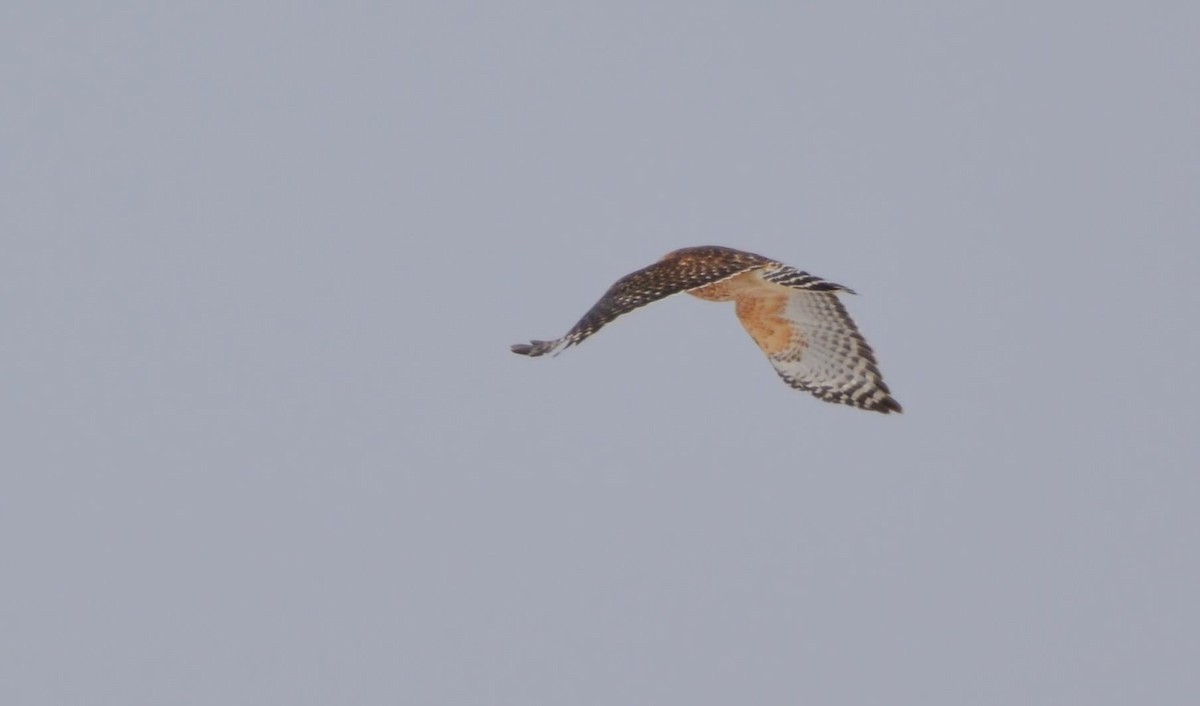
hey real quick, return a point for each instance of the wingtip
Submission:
(888, 405)
(533, 349)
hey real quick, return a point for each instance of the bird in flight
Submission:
(795, 318)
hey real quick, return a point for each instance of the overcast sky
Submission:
(264, 441)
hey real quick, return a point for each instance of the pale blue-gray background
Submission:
(264, 442)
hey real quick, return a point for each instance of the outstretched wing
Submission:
(677, 272)
(814, 344)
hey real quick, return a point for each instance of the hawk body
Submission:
(794, 317)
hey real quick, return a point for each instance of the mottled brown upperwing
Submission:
(677, 272)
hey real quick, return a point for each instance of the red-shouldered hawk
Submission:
(794, 317)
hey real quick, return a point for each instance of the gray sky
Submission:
(264, 442)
